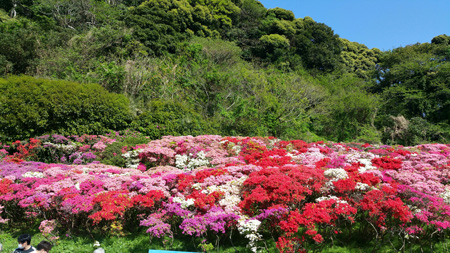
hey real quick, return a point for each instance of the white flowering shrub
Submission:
(190, 161)
(132, 158)
(185, 203)
(196, 186)
(446, 196)
(231, 191)
(236, 149)
(367, 165)
(66, 148)
(249, 228)
(338, 200)
(362, 186)
(336, 174)
(33, 174)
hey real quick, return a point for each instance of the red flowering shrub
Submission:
(312, 217)
(402, 152)
(288, 245)
(248, 145)
(383, 204)
(148, 200)
(368, 178)
(298, 145)
(112, 205)
(5, 186)
(271, 158)
(26, 151)
(286, 186)
(185, 181)
(344, 185)
(387, 163)
(322, 163)
(202, 174)
(366, 145)
(205, 201)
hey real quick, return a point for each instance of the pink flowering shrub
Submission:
(47, 227)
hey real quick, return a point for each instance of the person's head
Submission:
(24, 241)
(44, 247)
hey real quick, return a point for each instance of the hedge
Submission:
(34, 106)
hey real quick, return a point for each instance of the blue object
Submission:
(166, 251)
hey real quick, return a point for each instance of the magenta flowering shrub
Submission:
(301, 194)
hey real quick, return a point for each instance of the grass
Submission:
(80, 244)
(111, 244)
(140, 242)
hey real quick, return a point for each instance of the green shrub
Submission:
(368, 134)
(347, 111)
(112, 155)
(417, 130)
(31, 107)
(421, 131)
(170, 118)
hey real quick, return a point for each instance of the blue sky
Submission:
(384, 24)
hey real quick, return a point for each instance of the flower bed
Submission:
(303, 195)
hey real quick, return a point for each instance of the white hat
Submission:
(99, 250)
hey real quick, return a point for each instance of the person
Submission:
(24, 244)
(43, 247)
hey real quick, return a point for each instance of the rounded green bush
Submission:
(32, 106)
(170, 118)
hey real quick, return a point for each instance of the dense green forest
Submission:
(228, 67)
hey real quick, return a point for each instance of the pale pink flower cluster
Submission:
(99, 146)
(47, 227)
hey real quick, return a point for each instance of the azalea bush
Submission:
(292, 195)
